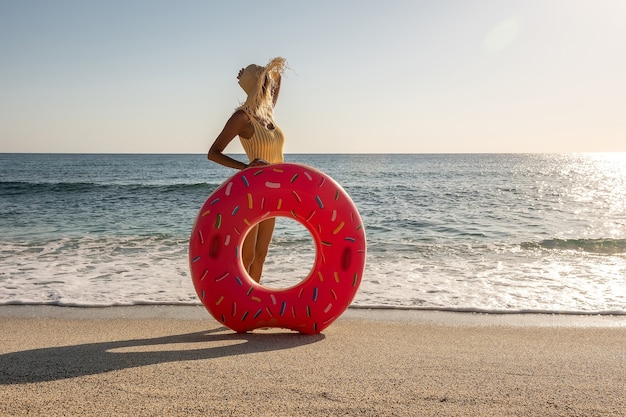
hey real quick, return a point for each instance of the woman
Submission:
(263, 142)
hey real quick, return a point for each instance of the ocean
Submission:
(494, 233)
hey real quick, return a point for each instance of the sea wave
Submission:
(477, 310)
(355, 305)
(23, 187)
(152, 269)
(605, 246)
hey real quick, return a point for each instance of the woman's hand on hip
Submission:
(258, 162)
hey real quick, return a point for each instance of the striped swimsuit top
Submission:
(265, 143)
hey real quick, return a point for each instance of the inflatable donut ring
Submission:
(250, 196)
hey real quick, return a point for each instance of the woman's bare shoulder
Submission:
(241, 122)
(239, 116)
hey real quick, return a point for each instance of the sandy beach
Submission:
(178, 361)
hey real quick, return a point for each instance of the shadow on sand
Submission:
(54, 363)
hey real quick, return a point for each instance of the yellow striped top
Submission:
(265, 143)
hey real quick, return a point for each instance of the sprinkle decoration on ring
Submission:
(296, 191)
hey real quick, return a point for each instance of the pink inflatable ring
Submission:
(250, 196)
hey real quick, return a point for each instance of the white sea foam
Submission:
(89, 271)
(154, 270)
(500, 282)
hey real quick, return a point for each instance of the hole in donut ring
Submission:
(291, 255)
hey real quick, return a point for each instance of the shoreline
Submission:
(179, 361)
(393, 315)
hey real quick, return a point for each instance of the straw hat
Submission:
(259, 84)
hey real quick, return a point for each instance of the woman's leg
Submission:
(248, 248)
(265, 230)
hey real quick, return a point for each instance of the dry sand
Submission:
(178, 361)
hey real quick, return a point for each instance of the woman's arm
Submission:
(276, 90)
(238, 124)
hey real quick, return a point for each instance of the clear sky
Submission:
(366, 76)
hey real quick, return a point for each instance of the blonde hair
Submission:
(259, 83)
